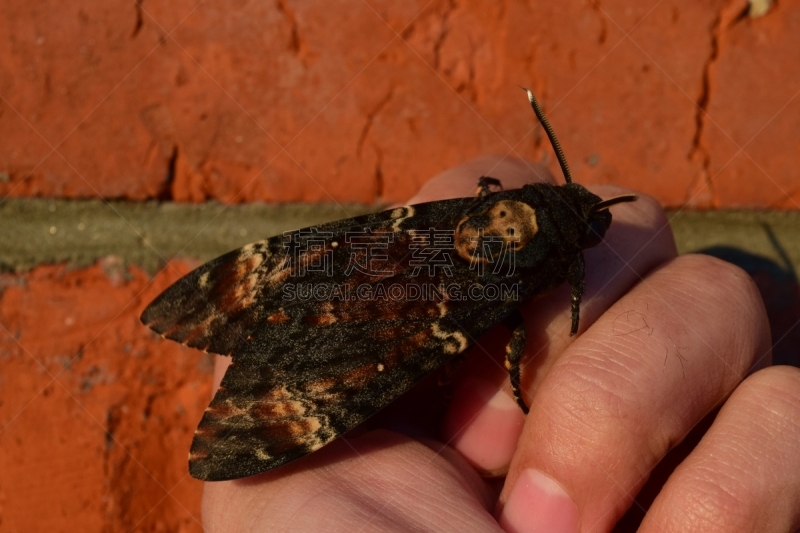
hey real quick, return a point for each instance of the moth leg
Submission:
(577, 279)
(484, 182)
(514, 350)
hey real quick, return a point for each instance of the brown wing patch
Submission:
(279, 409)
(217, 306)
(379, 310)
(278, 318)
(248, 432)
(402, 350)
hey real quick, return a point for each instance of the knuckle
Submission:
(717, 505)
(773, 393)
(722, 283)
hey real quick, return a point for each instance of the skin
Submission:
(665, 344)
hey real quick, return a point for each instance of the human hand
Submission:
(663, 341)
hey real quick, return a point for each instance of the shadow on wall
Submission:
(780, 291)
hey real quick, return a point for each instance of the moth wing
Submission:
(254, 423)
(217, 306)
(266, 415)
(306, 372)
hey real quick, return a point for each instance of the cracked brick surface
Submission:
(754, 111)
(363, 101)
(96, 415)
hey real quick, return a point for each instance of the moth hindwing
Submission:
(327, 325)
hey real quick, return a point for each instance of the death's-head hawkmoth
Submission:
(327, 325)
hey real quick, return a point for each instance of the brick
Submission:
(321, 102)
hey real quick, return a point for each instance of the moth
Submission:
(327, 325)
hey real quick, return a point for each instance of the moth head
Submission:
(598, 220)
(508, 222)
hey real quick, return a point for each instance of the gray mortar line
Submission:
(78, 232)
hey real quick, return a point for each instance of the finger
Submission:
(629, 389)
(745, 473)
(484, 422)
(221, 364)
(461, 181)
(379, 481)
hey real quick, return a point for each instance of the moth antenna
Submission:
(605, 204)
(562, 160)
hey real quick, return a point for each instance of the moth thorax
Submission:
(506, 225)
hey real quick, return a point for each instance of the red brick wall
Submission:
(96, 414)
(690, 101)
(361, 101)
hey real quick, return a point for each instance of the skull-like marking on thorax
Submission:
(513, 222)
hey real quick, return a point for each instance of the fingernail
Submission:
(538, 503)
(485, 426)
